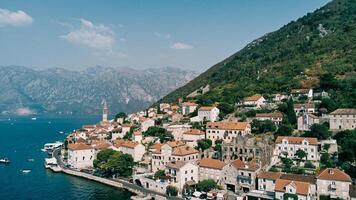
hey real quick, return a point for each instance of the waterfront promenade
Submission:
(141, 192)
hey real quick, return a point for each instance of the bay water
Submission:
(21, 140)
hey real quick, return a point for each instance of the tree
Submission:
(120, 115)
(171, 191)
(300, 154)
(206, 185)
(319, 131)
(110, 162)
(159, 132)
(287, 164)
(197, 125)
(159, 174)
(329, 104)
(284, 130)
(263, 126)
(204, 144)
(326, 161)
(225, 108)
(288, 109)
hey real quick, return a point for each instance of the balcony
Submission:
(243, 178)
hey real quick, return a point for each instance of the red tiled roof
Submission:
(297, 140)
(334, 175)
(211, 163)
(79, 146)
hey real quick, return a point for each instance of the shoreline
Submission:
(136, 194)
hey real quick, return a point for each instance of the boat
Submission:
(5, 161)
(52, 146)
(26, 171)
(50, 162)
(31, 160)
(33, 118)
(61, 132)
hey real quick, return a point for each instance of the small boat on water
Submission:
(31, 160)
(26, 171)
(4, 161)
(33, 118)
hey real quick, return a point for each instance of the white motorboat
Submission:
(33, 118)
(52, 146)
(5, 161)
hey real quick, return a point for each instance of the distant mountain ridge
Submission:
(58, 90)
(317, 50)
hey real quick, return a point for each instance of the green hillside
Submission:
(317, 50)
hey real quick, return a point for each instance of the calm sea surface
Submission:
(21, 140)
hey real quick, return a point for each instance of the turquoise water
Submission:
(21, 139)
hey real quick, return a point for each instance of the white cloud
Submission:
(91, 35)
(161, 35)
(16, 18)
(181, 45)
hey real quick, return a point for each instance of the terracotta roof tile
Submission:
(344, 111)
(302, 188)
(333, 174)
(211, 163)
(273, 114)
(206, 108)
(189, 104)
(79, 146)
(125, 143)
(194, 132)
(184, 151)
(228, 125)
(269, 175)
(253, 98)
(297, 140)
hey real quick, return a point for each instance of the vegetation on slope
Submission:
(320, 45)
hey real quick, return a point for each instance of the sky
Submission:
(189, 34)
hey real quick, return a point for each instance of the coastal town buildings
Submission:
(334, 183)
(135, 149)
(300, 108)
(182, 173)
(226, 131)
(343, 119)
(81, 155)
(192, 136)
(306, 120)
(297, 93)
(255, 101)
(208, 113)
(188, 107)
(288, 146)
(210, 169)
(275, 117)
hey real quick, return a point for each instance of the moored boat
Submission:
(5, 161)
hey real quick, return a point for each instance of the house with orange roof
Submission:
(275, 117)
(81, 156)
(255, 100)
(210, 169)
(288, 146)
(227, 131)
(133, 148)
(191, 137)
(290, 189)
(266, 181)
(334, 183)
(208, 113)
(239, 175)
(188, 107)
(173, 151)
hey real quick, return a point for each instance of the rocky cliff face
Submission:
(59, 90)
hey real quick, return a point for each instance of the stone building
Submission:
(248, 148)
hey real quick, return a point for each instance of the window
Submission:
(83, 158)
(191, 171)
(186, 172)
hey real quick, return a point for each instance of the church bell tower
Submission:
(105, 112)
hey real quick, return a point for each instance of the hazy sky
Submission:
(190, 34)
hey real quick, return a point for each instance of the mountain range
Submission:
(317, 50)
(26, 90)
